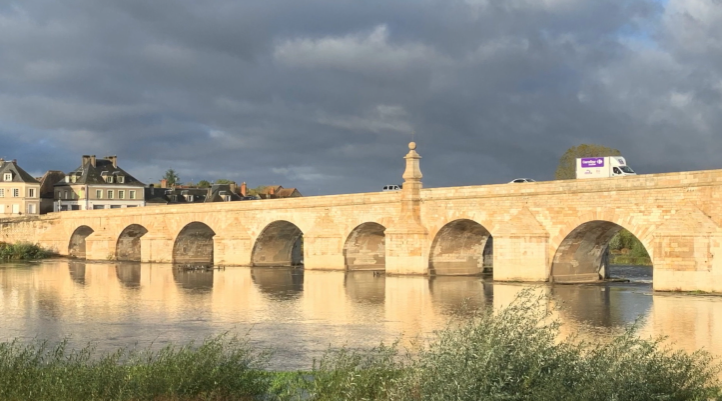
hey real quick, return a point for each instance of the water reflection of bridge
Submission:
(320, 307)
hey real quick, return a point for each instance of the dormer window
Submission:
(73, 178)
(121, 179)
(8, 177)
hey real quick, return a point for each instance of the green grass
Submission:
(514, 353)
(22, 251)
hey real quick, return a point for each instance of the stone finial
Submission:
(413, 171)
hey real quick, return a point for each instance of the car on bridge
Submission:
(521, 180)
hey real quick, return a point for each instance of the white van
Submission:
(392, 187)
(603, 167)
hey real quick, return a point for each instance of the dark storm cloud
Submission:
(324, 95)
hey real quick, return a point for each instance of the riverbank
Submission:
(513, 353)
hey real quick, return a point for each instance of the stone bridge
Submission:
(545, 231)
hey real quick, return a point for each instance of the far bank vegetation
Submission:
(22, 251)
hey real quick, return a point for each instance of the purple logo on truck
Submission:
(592, 162)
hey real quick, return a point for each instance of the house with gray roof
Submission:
(98, 184)
(19, 191)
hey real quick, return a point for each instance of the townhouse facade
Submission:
(19, 191)
(98, 184)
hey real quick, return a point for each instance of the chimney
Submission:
(271, 191)
(92, 160)
(164, 183)
(113, 159)
(233, 187)
(244, 189)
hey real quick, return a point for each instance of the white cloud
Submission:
(355, 52)
(383, 118)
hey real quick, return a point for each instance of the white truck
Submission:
(602, 167)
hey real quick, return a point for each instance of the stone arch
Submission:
(581, 255)
(128, 247)
(194, 245)
(461, 247)
(365, 248)
(279, 244)
(76, 247)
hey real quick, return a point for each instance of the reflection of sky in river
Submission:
(300, 313)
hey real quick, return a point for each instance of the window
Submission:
(65, 194)
(110, 194)
(109, 179)
(8, 177)
(73, 178)
(31, 192)
(132, 194)
(31, 208)
(99, 194)
(121, 179)
(2, 193)
(115, 206)
(121, 194)
(16, 192)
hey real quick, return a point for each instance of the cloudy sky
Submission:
(325, 95)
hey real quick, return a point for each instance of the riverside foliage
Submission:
(22, 251)
(512, 354)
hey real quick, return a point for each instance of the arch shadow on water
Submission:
(128, 274)
(461, 247)
(606, 306)
(460, 295)
(194, 280)
(76, 269)
(278, 283)
(365, 287)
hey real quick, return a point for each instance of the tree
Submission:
(204, 184)
(171, 177)
(568, 162)
(223, 181)
(256, 191)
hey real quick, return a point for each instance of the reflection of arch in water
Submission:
(198, 280)
(194, 245)
(280, 244)
(76, 248)
(365, 248)
(365, 287)
(128, 274)
(602, 306)
(278, 283)
(461, 247)
(77, 272)
(581, 256)
(460, 294)
(128, 247)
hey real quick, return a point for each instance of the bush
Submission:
(220, 368)
(22, 251)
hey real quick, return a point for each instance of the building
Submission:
(47, 189)
(155, 196)
(19, 191)
(98, 184)
(277, 191)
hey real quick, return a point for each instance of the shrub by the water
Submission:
(218, 369)
(22, 251)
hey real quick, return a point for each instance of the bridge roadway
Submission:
(544, 231)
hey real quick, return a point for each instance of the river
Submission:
(299, 314)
